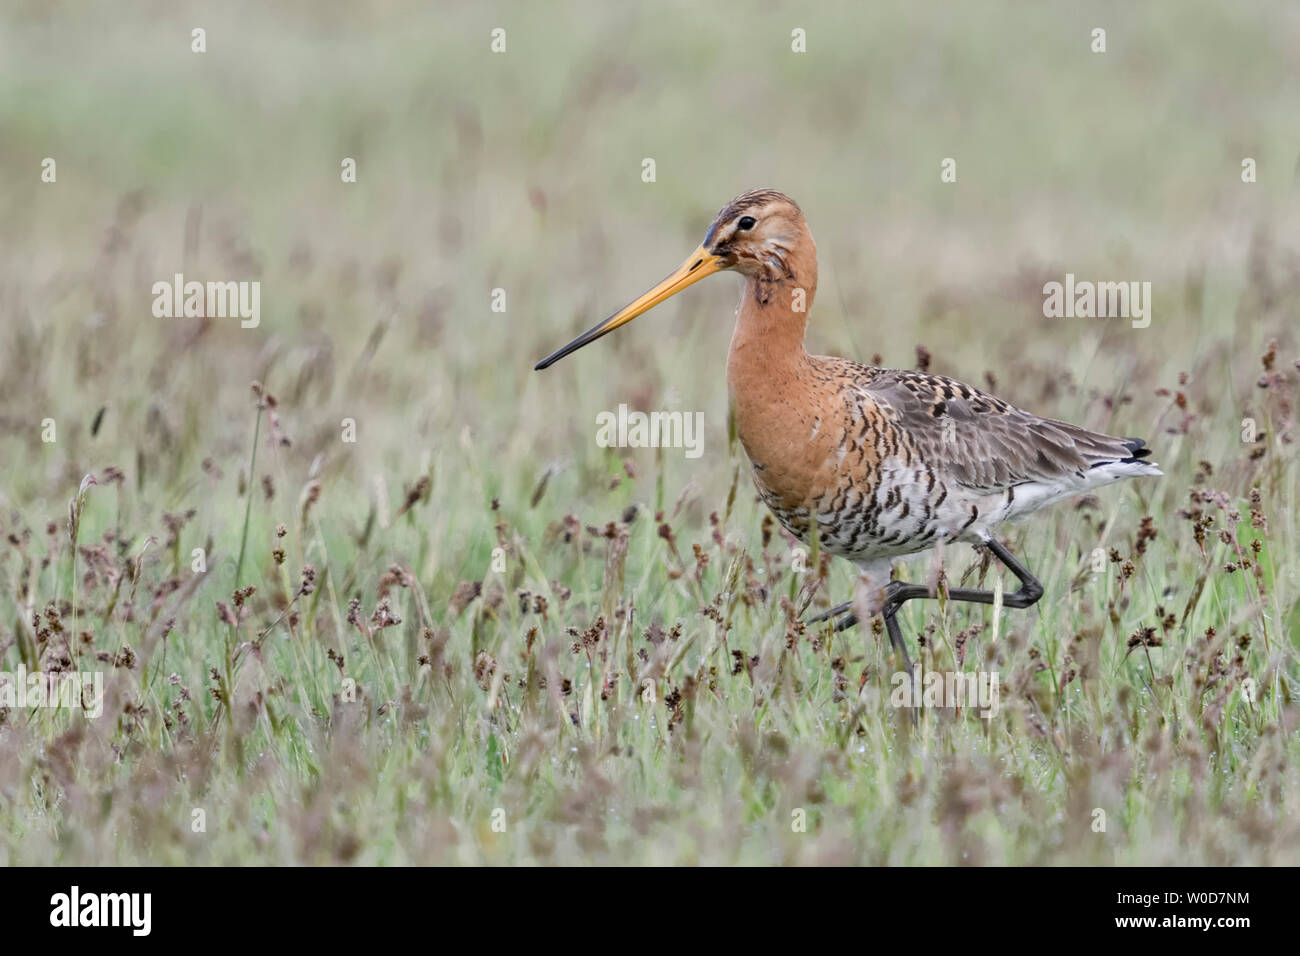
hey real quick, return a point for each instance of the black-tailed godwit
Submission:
(886, 463)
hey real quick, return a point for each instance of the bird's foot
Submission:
(840, 609)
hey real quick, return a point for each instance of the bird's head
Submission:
(760, 234)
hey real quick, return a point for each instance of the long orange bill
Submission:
(701, 263)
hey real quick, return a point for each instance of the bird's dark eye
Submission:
(746, 222)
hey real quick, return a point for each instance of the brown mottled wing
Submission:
(983, 442)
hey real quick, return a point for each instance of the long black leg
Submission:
(1031, 589)
(896, 637)
(836, 611)
(897, 593)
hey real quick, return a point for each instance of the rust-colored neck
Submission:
(767, 349)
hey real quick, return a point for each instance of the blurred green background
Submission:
(522, 171)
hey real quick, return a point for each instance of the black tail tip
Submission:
(1137, 448)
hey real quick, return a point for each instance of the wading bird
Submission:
(877, 463)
